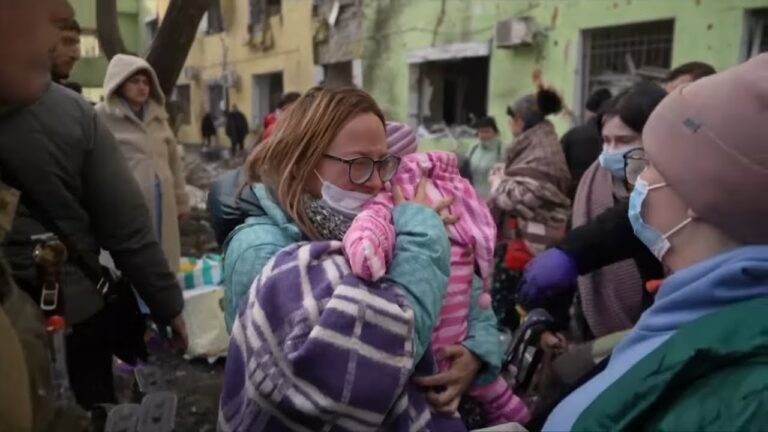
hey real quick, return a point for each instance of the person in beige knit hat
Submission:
(698, 358)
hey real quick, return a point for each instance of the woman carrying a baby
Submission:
(349, 336)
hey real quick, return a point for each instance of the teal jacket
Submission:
(421, 268)
(711, 375)
(696, 360)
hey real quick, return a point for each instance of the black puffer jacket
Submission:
(57, 151)
(608, 239)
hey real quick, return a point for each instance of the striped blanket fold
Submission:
(314, 348)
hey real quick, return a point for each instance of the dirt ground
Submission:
(197, 385)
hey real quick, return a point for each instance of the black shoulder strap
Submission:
(88, 262)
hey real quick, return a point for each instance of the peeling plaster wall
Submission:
(291, 54)
(705, 30)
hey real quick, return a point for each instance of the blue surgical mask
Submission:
(657, 242)
(613, 161)
(347, 203)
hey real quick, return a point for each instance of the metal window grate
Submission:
(616, 56)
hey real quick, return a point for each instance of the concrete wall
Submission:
(89, 72)
(291, 53)
(705, 30)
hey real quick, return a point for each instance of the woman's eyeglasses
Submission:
(635, 163)
(361, 168)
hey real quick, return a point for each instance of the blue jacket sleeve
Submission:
(246, 254)
(484, 339)
(421, 265)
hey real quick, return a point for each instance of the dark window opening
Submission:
(260, 11)
(338, 75)
(215, 18)
(274, 7)
(267, 90)
(216, 101)
(756, 32)
(182, 95)
(454, 92)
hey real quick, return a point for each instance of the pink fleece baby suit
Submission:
(369, 245)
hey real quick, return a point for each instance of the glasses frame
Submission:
(376, 166)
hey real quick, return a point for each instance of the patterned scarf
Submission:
(536, 179)
(328, 223)
(612, 297)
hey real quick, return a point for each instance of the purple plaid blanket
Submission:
(316, 349)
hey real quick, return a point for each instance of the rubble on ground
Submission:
(202, 167)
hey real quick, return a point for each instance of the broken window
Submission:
(617, 57)
(274, 7)
(215, 18)
(260, 11)
(451, 92)
(756, 33)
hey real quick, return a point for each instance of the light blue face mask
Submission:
(613, 161)
(657, 242)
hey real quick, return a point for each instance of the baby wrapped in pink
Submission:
(370, 241)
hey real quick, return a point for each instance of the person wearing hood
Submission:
(134, 110)
(696, 358)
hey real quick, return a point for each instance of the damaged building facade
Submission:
(440, 64)
(247, 53)
(446, 62)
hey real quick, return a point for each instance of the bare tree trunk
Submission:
(108, 28)
(174, 39)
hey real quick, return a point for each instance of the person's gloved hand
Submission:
(551, 273)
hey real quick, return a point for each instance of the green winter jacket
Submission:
(711, 375)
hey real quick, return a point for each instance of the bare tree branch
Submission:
(108, 28)
(174, 39)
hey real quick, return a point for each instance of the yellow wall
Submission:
(291, 54)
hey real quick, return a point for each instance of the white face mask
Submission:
(347, 203)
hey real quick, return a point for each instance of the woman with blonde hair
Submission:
(302, 314)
